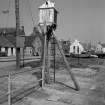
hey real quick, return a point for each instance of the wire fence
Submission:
(16, 85)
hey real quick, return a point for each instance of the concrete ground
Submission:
(13, 58)
(9, 64)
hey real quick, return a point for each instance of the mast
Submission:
(17, 32)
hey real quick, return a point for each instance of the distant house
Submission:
(100, 48)
(28, 45)
(8, 41)
(76, 47)
(6, 46)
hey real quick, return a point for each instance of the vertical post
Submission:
(47, 62)
(9, 89)
(67, 64)
(17, 32)
(49, 55)
(44, 62)
(54, 57)
(78, 54)
(23, 56)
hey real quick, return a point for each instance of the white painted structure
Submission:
(47, 13)
(10, 51)
(14, 51)
(28, 51)
(76, 47)
(100, 48)
(2, 49)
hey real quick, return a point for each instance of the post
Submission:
(54, 57)
(23, 56)
(78, 54)
(44, 62)
(9, 89)
(47, 72)
(17, 32)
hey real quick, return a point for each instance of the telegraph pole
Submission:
(17, 33)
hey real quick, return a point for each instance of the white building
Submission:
(100, 48)
(76, 47)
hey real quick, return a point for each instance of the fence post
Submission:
(44, 63)
(9, 89)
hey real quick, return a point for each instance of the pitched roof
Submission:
(28, 40)
(10, 35)
(47, 4)
(5, 43)
(11, 31)
(11, 39)
(103, 44)
(8, 30)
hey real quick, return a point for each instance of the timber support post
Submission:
(67, 65)
(17, 32)
(54, 56)
(9, 89)
(44, 63)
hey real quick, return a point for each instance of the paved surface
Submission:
(9, 66)
(11, 59)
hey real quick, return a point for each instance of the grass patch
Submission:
(73, 62)
(33, 64)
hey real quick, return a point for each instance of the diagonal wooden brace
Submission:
(67, 64)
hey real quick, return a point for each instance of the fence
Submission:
(16, 85)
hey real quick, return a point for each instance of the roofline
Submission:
(49, 8)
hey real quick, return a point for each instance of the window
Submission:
(74, 49)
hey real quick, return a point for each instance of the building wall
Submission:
(99, 48)
(28, 51)
(103, 50)
(9, 53)
(12, 51)
(76, 48)
(2, 49)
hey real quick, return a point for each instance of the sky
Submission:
(77, 19)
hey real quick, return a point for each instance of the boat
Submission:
(100, 55)
(84, 55)
(80, 55)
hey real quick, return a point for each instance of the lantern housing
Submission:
(48, 13)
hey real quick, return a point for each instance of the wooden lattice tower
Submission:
(48, 20)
